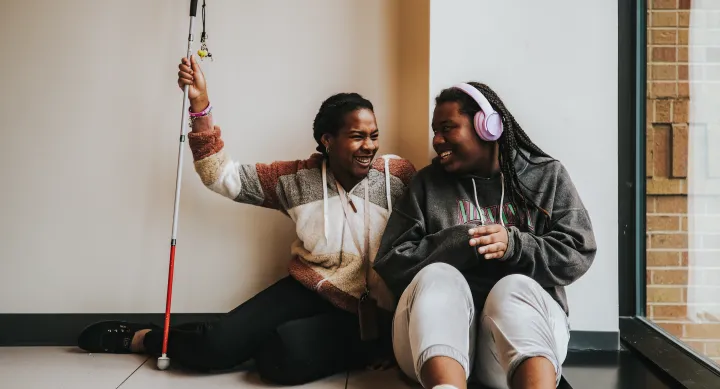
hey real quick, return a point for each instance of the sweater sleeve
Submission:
(407, 247)
(255, 184)
(563, 253)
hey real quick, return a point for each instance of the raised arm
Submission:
(255, 184)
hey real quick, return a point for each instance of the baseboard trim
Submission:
(594, 340)
(62, 329)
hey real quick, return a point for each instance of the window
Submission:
(682, 157)
(669, 137)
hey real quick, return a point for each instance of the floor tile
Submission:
(63, 367)
(149, 377)
(386, 379)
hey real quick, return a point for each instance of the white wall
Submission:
(554, 64)
(90, 123)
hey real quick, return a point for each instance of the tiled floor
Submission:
(69, 368)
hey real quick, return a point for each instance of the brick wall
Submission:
(668, 98)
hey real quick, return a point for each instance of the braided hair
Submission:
(331, 116)
(512, 139)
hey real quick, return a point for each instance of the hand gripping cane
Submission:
(163, 361)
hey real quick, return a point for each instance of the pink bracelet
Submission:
(204, 112)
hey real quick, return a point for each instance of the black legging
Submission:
(294, 335)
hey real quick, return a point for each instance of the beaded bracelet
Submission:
(203, 113)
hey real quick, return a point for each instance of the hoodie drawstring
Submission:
(325, 201)
(387, 183)
(502, 199)
(325, 192)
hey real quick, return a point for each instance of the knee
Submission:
(509, 294)
(439, 283)
(437, 275)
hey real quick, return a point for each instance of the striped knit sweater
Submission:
(333, 267)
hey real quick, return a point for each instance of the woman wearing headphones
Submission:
(480, 248)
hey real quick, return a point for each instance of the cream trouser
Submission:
(436, 317)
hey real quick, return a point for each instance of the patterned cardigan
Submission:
(324, 257)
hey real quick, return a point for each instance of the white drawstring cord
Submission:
(388, 193)
(325, 202)
(502, 199)
(477, 205)
(387, 183)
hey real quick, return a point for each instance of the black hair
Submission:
(331, 116)
(512, 139)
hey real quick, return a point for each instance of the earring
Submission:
(327, 150)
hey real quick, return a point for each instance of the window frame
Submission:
(668, 355)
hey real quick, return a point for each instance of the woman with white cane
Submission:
(332, 312)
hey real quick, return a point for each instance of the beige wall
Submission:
(90, 82)
(91, 114)
(414, 77)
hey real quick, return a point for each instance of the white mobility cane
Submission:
(163, 361)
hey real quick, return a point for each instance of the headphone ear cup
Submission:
(488, 128)
(480, 124)
(493, 126)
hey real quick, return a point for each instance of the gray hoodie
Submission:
(430, 223)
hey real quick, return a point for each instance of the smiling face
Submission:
(459, 148)
(354, 146)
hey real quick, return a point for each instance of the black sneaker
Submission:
(110, 336)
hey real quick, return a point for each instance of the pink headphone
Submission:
(488, 123)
